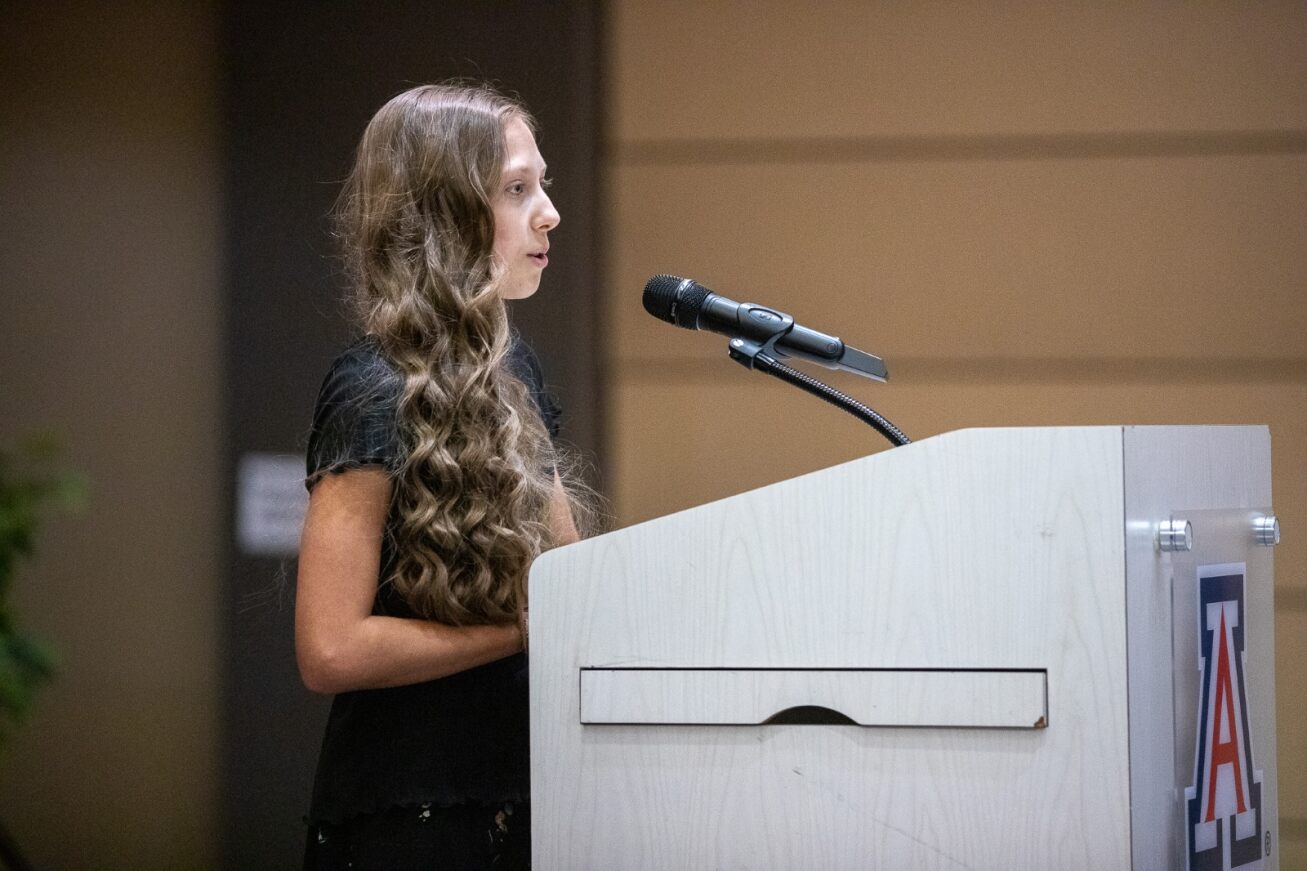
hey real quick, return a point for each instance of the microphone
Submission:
(687, 303)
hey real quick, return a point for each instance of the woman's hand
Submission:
(561, 523)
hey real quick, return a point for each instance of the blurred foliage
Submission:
(29, 485)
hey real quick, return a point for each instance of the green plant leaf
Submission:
(29, 487)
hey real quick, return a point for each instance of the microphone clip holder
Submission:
(746, 352)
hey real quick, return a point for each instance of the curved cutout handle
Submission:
(808, 715)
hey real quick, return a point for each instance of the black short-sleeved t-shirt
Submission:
(460, 738)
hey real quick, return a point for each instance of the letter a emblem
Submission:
(1224, 806)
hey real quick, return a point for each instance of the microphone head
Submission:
(675, 300)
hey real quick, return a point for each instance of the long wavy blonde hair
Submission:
(472, 493)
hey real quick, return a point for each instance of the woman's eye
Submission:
(546, 183)
(516, 188)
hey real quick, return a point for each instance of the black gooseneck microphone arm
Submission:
(752, 356)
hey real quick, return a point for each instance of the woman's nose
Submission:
(548, 218)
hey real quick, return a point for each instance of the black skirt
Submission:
(461, 837)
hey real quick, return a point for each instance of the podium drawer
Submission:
(932, 698)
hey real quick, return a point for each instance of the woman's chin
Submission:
(521, 290)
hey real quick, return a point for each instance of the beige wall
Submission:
(1038, 213)
(110, 242)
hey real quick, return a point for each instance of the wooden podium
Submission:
(993, 649)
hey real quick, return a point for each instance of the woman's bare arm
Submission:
(339, 643)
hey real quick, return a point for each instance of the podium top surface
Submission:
(1140, 447)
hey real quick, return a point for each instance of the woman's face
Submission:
(524, 214)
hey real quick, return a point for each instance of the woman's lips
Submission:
(541, 260)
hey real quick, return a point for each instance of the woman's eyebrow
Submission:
(523, 167)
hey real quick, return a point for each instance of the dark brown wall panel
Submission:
(302, 80)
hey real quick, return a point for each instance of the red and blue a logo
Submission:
(1224, 806)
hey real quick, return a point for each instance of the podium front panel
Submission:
(1013, 552)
